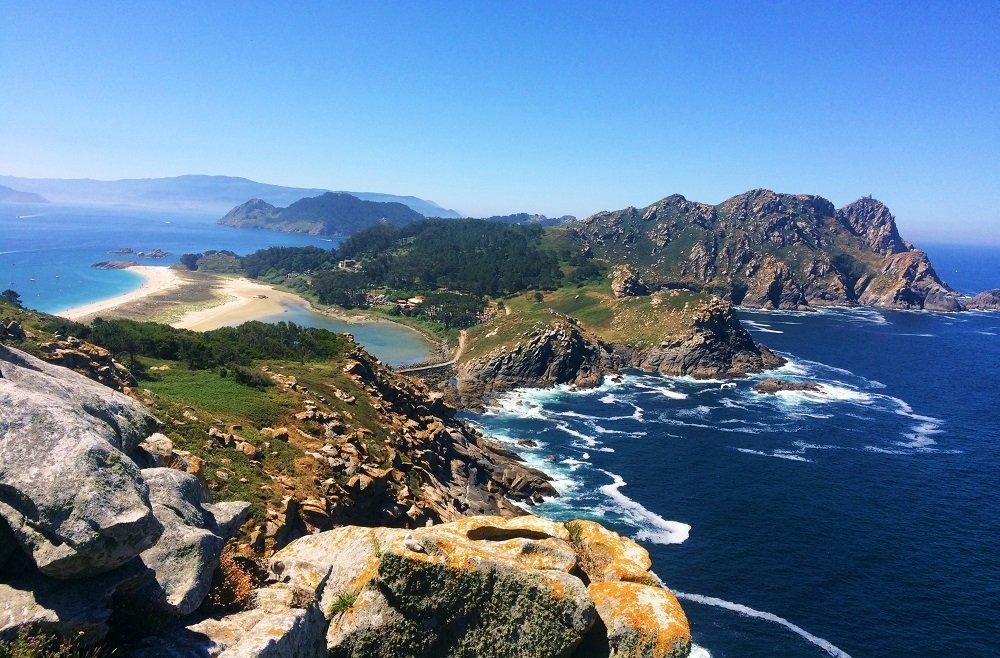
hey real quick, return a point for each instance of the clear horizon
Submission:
(501, 108)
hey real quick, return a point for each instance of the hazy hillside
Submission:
(192, 192)
(8, 195)
(332, 213)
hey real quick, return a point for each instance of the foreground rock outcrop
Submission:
(80, 524)
(482, 586)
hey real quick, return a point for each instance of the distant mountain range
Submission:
(192, 192)
(8, 195)
(331, 213)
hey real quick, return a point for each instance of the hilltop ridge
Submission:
(330, 213)
(764, 249)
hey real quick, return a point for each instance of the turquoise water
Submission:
(46, 253)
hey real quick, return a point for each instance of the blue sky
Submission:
(521, 106)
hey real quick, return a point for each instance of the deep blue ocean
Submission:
(863, 520)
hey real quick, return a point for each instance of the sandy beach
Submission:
(155, 280)
(244, 300)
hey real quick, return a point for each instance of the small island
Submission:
(770, 386)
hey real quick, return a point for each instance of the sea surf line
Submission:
(747, 611)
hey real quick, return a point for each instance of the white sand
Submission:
(155, 279)
(247, 300)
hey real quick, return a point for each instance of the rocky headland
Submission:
(700, 338)
(763, 249)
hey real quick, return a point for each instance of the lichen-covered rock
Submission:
(483, 586)
(187, 553)
(641, 621)
(607, 556)
(478, 587)
(75, 502)
(90, 360)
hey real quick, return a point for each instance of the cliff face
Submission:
(434, 467)
(768, 250)
(712, 343)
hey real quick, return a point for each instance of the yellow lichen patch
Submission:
(646, 620)
(607, 556)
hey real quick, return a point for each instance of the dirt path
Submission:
(462, 339)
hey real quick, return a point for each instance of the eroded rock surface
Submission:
(481, 586)
(81, 527)
(76, 503)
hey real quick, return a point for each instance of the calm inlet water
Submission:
(861, 520)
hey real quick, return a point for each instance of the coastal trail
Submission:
(462, 340)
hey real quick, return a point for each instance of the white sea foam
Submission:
(760, 326)
(605, 449)
(767, 616)
(588, 441)
(652, 526)
(828, 392)
(699, 652)
(603, 430)
(673, 395)
(780, 454)
(609, 398)
(919, 436)
(857, 314)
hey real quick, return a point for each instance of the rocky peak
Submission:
(871, 220)
(252, 210)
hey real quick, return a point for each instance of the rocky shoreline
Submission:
(717, 346)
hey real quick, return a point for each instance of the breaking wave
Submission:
(747, 611)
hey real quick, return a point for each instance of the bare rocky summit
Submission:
(763, 249)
